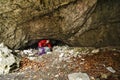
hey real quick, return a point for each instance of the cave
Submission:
(89, 28)
(33, 44)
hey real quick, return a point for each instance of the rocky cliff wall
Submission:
(93, 23)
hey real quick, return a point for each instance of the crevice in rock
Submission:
(13, 67)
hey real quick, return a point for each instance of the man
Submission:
(44, 46)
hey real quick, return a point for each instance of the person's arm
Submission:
(39, 44)
(49, 45)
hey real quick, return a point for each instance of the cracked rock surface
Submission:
(75, 22)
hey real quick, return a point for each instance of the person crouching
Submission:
(44, 46)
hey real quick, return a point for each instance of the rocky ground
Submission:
(68, 63)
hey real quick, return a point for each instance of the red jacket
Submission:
(43, 43)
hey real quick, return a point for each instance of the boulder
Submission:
(78, 76)
(93, 23)
(8, 61)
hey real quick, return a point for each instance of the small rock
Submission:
(71, 51)
(61, 55)
(92, 78)
(27, 51)
(17, 51)
(78, 76)
(111, 69)
(31, 58)
(95, 51)
(104, 76)
(49, 53)
(82, 62)
(82, 59)
(56, 75)
(75, 55)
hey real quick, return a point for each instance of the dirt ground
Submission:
(54, 66)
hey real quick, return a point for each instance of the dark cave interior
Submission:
(34, 44)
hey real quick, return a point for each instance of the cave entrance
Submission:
(33, 44)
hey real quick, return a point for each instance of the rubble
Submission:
(71, 63)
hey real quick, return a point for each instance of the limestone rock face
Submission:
(7, 60)
(75, 22)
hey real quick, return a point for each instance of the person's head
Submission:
(47, 41)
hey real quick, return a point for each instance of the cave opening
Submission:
(33, 44)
